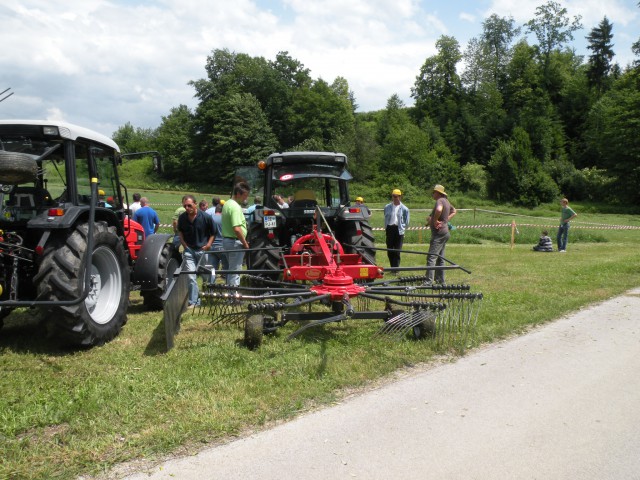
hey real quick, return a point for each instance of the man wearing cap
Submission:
(396, 220)
(363, 208)
(438, 221)
(101, 200)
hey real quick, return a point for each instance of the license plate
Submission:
(270, 221)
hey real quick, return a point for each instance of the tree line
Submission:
(502, 118)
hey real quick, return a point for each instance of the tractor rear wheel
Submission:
(253, 331)
(17, 168)
(267, 259)
(4, 311)
(167, 265)
(363, 244)
(100, 317)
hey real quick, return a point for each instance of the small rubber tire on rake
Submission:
(425, 329)
(253, 331)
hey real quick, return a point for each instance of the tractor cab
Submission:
(66, 244)
(297, 187)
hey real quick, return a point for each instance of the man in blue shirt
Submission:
(147, 217)
(257, 202)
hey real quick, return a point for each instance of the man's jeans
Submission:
(216, 258)
(234, 259)
(192, 258)
(563, 236)
(436, 247)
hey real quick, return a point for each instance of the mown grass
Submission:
(66, 413)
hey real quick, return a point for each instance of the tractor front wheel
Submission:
(100, 317)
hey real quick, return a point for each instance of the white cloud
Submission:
(103, 63)
(467, 17)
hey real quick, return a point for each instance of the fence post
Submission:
(513, 233)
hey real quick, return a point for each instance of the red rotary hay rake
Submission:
(319, 284)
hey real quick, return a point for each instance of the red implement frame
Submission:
(319, 257)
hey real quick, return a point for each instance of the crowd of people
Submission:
(219, 231)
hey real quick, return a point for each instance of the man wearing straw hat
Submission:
(396, 220)
(438, 221)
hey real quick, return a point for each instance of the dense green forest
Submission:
(500, 118)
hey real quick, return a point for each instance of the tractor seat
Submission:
(29, 197)
(304, 199)
(27, 202)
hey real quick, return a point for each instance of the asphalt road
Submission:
(561, 402)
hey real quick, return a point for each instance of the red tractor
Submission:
(67, 244)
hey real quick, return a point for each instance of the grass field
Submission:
(68, 413)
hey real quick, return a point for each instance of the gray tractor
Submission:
(67, 244)
(293, 184)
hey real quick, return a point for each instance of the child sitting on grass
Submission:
(544, 244)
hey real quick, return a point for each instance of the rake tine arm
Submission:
(273, 306)
(315, 323)
(262, 297)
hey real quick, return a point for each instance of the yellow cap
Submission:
(221, 202)
(396, 191)
(100, 192)
(359, 199)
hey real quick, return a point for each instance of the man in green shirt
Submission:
(566, 215)
(234, 232)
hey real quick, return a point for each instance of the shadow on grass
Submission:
(25, 331)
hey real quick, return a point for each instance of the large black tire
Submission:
(263, 259)
(17, 168)
(363, 244)
(4, 311)
(168, 263)
(102, 315)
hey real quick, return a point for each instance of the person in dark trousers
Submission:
(544, 244)
(196, 232)
(147, 217)
(438, 222)
(566, 215)
(396, 220)
(217, 256)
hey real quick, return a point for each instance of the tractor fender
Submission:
(72, 215)
(145, 271)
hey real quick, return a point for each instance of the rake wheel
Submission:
(253, 331)
(425, 329)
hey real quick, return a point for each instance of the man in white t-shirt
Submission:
(136, 203)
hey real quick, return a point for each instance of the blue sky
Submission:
(103, 63)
